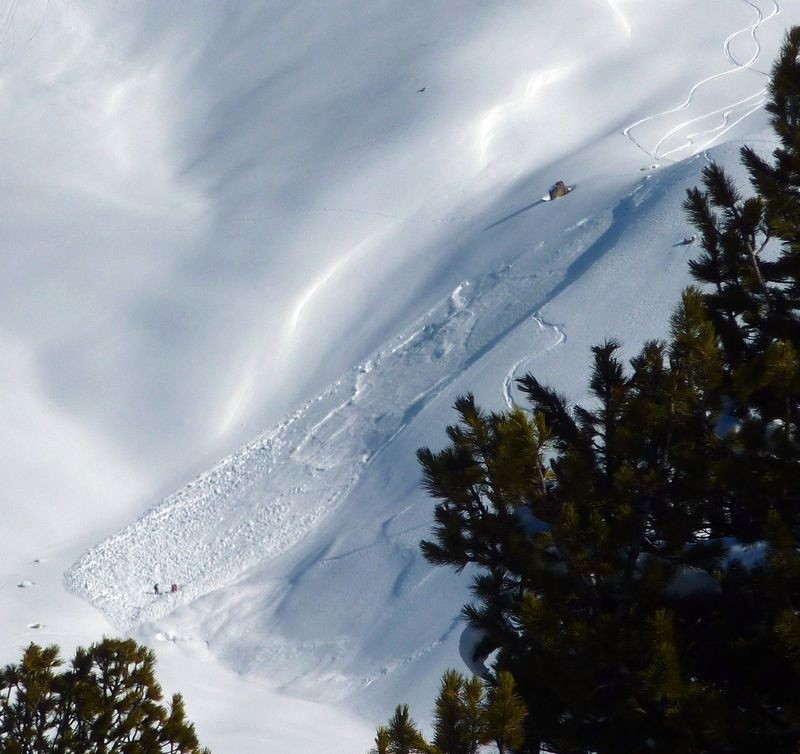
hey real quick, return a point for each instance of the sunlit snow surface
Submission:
(239, 231)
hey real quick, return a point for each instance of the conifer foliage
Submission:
(466, 718)
(106, 701)
(636, 560)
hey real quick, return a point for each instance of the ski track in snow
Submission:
(261, 500)
(508, 382)
(731, 114)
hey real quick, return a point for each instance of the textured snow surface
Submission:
(228, 221)
(261, 500)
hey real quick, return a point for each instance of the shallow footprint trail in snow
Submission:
(701, 131)
(261, 500)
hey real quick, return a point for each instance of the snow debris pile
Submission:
(261, 500)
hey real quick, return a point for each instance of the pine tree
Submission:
(573, 566)
(459, 715)
(107, 701)
(382, 741)
(403, 735)
(757, 299)
(465, 719)
(28, 705)
(448, 737)
(505, 714)
(473, 715)
(607, 581)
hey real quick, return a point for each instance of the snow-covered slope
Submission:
(315, 224)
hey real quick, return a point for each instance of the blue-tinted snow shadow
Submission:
(515, 214)
(574, 272)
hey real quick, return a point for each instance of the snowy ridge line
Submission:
(260, 501)
(624, 23)
(726, 110)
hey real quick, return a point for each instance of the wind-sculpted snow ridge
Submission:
(261, 500)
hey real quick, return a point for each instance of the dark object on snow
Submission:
(173, 588)
(155, 588)
(420, 91)
(558, 189)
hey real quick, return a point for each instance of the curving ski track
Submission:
(750, 104)
(543, 326)
(752, 31)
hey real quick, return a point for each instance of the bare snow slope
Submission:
(323, 219)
